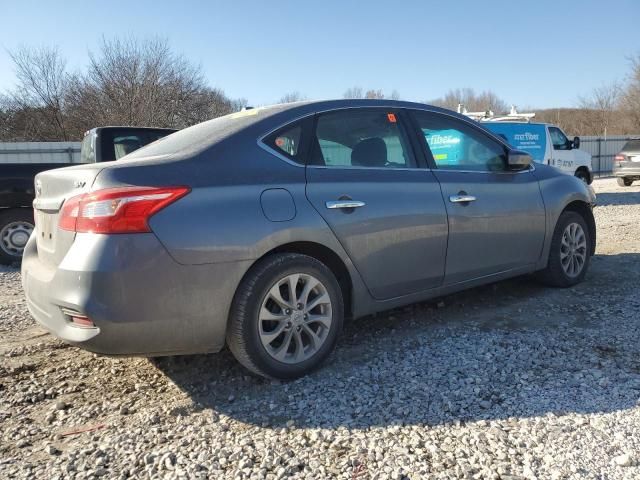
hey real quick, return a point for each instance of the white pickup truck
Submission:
(545, 142)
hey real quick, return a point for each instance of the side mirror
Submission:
(518, 160)
(576, 143)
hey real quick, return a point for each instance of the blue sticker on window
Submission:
(530, 137)
(445, 145)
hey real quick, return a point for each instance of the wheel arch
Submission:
(586, 171)
(585, 211)
(325, 255)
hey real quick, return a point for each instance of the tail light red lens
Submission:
(620, 158)
(117, 210)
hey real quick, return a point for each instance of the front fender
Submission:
(560, 192)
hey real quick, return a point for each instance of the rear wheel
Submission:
(286, 316)
(570, 252)
(624, 182)
(16, 226)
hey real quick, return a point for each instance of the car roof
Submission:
(514, 123)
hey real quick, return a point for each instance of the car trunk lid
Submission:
(53, 188)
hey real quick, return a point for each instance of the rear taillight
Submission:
(620, 158)
(117, 210)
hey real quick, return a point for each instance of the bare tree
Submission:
(374, 94)
(354, 92)
(630, 101)
(604, 101)
(292, 97)
(42, 87)
(395, 95)
(142, 82)
(486, 100)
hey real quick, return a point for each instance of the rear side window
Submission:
(287, 141)
(365, 138)
(529, 137)
(455, 145)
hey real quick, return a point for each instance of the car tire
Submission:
(566, 250)
(276, 337)
(583, 175)
(15, 227)
(624, 182)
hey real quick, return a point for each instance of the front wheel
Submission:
(16, 226)
(570, 252)
(583, 175)
(624, 182)
(286, 316)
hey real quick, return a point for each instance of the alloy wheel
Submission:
(573, 250)
(295, 318)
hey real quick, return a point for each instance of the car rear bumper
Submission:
(140, 300)
(626, 169)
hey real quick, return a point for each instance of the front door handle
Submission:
(344, 204)
(461, 198)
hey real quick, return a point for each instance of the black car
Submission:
(100, 144)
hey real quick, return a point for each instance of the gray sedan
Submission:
(264, 229)
(626, 164)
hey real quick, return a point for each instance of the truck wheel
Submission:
(570, 254)
(624, 182)
(583, 175)
(16, 226)
(286, 316)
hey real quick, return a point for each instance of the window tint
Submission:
(559, 140)
(457, 146)
(124, 145)
(370, 138)
(287, 141)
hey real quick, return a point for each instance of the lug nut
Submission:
(299, 306)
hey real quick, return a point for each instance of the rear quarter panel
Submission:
(221, 221)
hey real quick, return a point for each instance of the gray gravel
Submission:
(511, 380)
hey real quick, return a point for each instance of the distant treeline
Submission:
(143, 82)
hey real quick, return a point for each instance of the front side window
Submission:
(457, 146)
(365, 138)
(559, 139)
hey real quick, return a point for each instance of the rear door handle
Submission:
(461, 198)
(344, 204)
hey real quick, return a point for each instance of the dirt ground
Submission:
(511, 380)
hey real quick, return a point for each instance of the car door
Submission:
(562, 156)
(389, 216)
(496, 217)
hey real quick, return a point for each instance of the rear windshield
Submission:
(530, 137)
(632, 146)
(199, 137)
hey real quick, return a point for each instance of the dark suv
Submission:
(626, 164)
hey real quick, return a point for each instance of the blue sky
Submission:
(536, 53)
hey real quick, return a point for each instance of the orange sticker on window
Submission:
(280, 141)
(391, 117)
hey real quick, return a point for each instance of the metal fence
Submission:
(40, 152)
(603, 149)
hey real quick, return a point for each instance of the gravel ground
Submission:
(511, 380)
